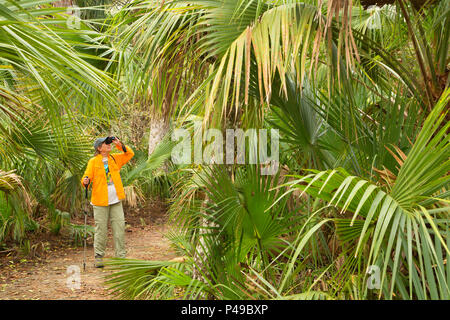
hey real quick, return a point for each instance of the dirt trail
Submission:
(46, 279)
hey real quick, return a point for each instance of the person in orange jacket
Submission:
(102, 173)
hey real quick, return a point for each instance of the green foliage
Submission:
(403, 225)
(77, 232)
(366, 132)
(360, 97)
(136, 279)
(58, 220)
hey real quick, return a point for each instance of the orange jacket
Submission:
(95, 171)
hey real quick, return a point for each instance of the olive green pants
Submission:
(114, 213)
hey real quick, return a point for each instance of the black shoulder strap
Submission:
(113, 158)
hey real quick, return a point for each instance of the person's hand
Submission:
(117, 142)
(119, 145)
(86, 181)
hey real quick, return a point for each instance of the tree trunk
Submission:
(159, 126)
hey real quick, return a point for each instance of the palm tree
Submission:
(401, 225)
(363, 102)
(153, 81)
(44, 80)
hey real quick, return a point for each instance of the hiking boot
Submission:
(99, 263)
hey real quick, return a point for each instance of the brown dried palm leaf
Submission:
(11, 182)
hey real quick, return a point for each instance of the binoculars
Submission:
(109, 140)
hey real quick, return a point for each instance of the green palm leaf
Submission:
(402, 230)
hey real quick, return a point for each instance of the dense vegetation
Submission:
(358, 92)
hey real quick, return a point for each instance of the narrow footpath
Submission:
(46, 279)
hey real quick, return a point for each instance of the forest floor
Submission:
(44, 276)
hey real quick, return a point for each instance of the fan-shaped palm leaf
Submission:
(408, 225)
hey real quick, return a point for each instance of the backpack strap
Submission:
(113, 158)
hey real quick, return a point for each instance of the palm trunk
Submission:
(159, 127)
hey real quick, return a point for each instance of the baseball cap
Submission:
(99, 142)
